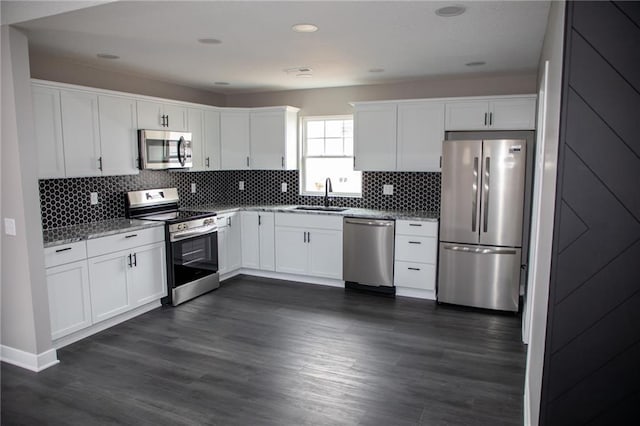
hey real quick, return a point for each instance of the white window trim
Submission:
(303, 148)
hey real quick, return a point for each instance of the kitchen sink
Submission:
(321, 208)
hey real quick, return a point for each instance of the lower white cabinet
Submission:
(258, 240)
(416, 245)
(69, 299)
(308, 244)
(229, 248)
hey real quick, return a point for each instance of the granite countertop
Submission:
(85, 231)
(352, 212)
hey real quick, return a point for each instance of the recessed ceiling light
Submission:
(376, 70)
(475, 64)
(450, 11)
(209, 41)
(304, 75)
(299, 70)
(305, 28)
(221, 83)
(107, 56)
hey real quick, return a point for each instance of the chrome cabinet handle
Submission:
(207, 162)
(474, 195)
(131, 235)
(490, 119)
(63, 249)
(135, 259)
(229, 222)
(308, 237)
(282, 162)
(415, 242)
(486, 187)
(130, 262)
(304, 237)
(415, 224)
(259, 220)
(485, 118)
(247, 161)
(414, 269)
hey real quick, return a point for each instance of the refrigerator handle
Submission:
(480, 250)
(486, 186)
(474, 195)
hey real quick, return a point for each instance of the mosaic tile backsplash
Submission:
(65, 202)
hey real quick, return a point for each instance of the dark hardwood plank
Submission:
(268, 352)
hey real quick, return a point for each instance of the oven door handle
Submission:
(203, 230)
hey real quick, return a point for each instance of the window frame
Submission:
(303, 156)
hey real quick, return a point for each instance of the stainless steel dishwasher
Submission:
(368, 247)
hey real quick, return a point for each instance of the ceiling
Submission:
(158, 39)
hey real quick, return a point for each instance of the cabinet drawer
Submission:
(124, 241)
(416, 249)
(222, 221)
(415, 275)
(304, 220)
(65, 253)
(417, 227)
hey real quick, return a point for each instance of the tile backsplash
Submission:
(67, 201)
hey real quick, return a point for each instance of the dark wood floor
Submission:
(266, 352)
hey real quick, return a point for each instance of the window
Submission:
(327, 152)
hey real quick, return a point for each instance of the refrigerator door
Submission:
(460, 199)
(503, 175)
(480, 276)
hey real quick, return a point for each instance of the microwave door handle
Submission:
(181, 157)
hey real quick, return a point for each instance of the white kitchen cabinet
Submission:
(81, 133)
(48, 132)
(235, 139)
(109, 276)
(163, 116)
(274, 138)
(509, 113)
(69, 299)
(195, 125)
(308, 244)
(375, 127)
(229, 242)
(420, 136)
(118, 135)
(148, 276)
(258, 246)
(211, 151)
(416, 245)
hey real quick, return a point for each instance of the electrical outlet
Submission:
(387, 189)
(94, 198)
(193, 187)
(284, 186)
(241, 185)
(9, 226)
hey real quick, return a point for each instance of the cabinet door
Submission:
(118, 135)
(150, 115)
(325, 253)
(375, 137)
(149, 274)
(69, 300)
(291, 250)
(234, 140)
(266, 222)
(467, 115)
(513, 114)
(250, 240)
(195, 119)
(420, 136)
(176, 117)
(222, 249)
(48, 129)
(268, 140)
(234, 248)
(81, 135)
(211, 140)
(108, 275)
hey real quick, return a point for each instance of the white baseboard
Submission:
(28, 360)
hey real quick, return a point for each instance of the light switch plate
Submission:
(387, 189)
(9, 226)
(193, 187)
(241, 185)
(94, 198)
(284, 186)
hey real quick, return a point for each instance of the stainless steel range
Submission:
(192, 242)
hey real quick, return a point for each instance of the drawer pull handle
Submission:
(414, 269)
(415, 224)
(63, 249)
(415, 242)
(131, 236)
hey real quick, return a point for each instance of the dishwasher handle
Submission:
(368, 222)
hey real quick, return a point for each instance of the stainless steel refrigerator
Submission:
(481, 222)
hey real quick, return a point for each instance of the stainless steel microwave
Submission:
(161, 149)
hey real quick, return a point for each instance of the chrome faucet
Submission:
(327, 189)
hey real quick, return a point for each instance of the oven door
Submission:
(193, 265)
(164, 150)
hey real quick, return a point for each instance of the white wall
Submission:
(25, 307)
(542, 221)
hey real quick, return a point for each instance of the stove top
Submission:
(178, 216)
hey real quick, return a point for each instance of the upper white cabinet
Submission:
(118, 135)
(166, 116)
(235, 139)
(48, 132)
(375, 136)
(211, 144)
(195, 125)
(399, 136)
(274, 138)
(509, 113)
(81, 133)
